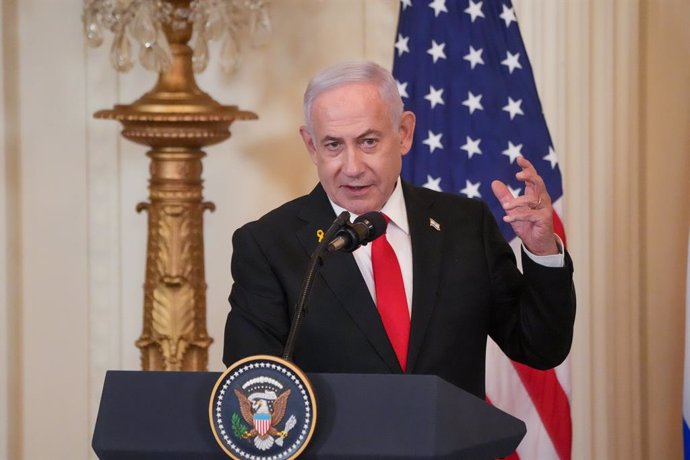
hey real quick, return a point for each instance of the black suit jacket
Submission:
(465, 286)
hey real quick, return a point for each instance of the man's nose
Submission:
(353, 162)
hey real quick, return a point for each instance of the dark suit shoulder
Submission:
(286, 210)
(294, 212)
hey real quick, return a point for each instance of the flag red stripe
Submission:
(552, 405)
(558, 227)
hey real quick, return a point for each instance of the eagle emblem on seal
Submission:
(264, 411)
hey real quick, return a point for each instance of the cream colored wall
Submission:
(49, 122)
(613, 78)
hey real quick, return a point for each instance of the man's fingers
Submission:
(501, 192)
(530, 178)
(522, 215)
(535, 196)
(524, 201)
(534, 184)
(524, 163)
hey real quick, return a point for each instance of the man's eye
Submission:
(332, 145)
(370, 142)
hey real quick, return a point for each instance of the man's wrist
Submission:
(551, 260)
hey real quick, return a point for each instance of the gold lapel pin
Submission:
(319, 234)
(434, 224)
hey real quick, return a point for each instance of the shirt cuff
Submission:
(554, 260)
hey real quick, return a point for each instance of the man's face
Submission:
(355, 147)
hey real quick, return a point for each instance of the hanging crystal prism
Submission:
(229, 54)
(121, 52)
(200, 54)
(260, 28)
(92, 29)
(142, 28)
(155, 55)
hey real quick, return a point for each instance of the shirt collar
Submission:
(394, 208)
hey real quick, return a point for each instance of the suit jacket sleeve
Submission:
(259, 322)
(535, 326)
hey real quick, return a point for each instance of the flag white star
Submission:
(433, 141)
(508, 15)
(435, 96)
(402, 88)
(471, 190)
(472, 147)
(474, 10)
(474, 56)
(437, 51)
(405, 4)
(433, 183)
(551, 158)
(473, 102)
(514, 107)
(513, 151)
(514, 191)
(401, 45)
(439, 6)
(511, 61)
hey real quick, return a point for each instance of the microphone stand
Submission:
(308, 282)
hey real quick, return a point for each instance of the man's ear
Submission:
(407, 123)
(308, 140)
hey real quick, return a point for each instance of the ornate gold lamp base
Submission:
(176, 119)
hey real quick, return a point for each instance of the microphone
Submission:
(315, 261)
(364, 229)
(341, 233)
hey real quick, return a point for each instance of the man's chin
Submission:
(358, 211)
(358, 206)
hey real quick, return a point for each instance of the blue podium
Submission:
(165, 415)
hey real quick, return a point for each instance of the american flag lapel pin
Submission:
(434, 224)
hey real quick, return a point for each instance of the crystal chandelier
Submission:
(145, 22)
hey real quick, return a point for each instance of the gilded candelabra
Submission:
(176, 120)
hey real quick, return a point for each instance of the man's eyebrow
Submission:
(329, 138)
(369, 132)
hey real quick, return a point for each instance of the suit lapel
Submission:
(342, 276)
(427, 243)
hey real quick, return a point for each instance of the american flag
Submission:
(462, 68)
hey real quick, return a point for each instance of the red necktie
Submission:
(391, 300)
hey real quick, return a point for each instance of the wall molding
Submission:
(11, 416)
(5, 345)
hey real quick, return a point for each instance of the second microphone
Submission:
(364, 229)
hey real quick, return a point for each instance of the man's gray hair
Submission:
(354, 72)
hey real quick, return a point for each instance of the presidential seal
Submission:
(263, 408)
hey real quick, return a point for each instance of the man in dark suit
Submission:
(461, 282)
